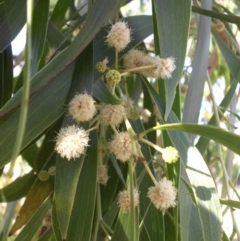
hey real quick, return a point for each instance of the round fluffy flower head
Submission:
(163, 195)
(113, 77)
(121, 146)
(124, 201)
(133, 58)
(71, 142)
(165, 68)
(170, 154)
(144, 114)
(136, 58)
(112, 114)
(82, 107)
(119, 36)
(102, 174)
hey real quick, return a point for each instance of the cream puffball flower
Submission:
(82, 107)
(119, 36)
(133, 58)
(112, 114)
(161, 68)
(144, 114)
(71, 142)
(121, 146)
(165, 68)
(124, 201)
(170, 154)
(163, 195)
(102, 174)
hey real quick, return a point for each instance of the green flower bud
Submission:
(52, 171)
(113, 77)
(133, 114)
(101, 67)
(43, 175)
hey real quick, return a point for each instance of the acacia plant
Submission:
(108, 124)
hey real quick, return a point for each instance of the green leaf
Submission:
(58, 14)
(225, 237)
(45, 107)
(18, 188)
(35, 222)
(6, 76)
(231, 59)
(123, 227)
(56, 38)
(67, 173)
(6, 222)
(39, 29)
(205, 193)
(36, 196)
(217, 15)
(173, 24)
(55, 223)
(66, 180)
(193, 99)
(221, 136)
(30, 153)
(12, 19)
(47, 235)
(101, 92)
(230, 203)
(190, 222)
(84, 200)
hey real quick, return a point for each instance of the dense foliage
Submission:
(104, 124)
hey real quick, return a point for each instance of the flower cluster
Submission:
(116, 120)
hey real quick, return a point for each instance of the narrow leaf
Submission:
(18, 188)
(200, 63)
(221, 136)
(6, 75)
(35, 222)
(232, 60)
(172, 24)
(230, 203)
(39, 29)
(84, 200)
(36, 196)
(224, 17)
(12, 19)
